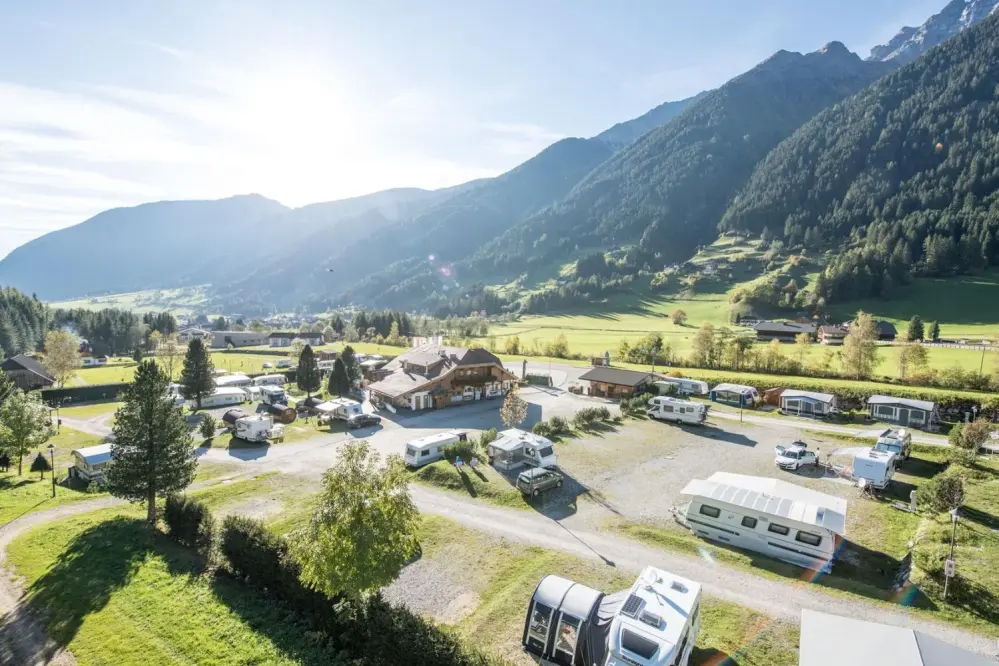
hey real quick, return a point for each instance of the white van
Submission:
(682, 385)
(430, 449)
(663, 408)
(258, 428)
(516, 448)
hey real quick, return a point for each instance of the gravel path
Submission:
(818, 426)
(97, 425)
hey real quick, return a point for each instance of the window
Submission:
(568, 631)
(749, 521)
(884, 411)
(778, 529)
(711, 511)
(639, 645)
(541, 618)
(668, 409)
(809, 538)
(424, 454)
(916, 416)
(546, 451)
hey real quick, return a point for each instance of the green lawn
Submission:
(181, 301)
(484, 483)
(90, 410)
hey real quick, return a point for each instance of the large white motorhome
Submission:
(897, 441)
(515, 448)
(663, 408)
(258, 428)
(89, 462)
(655, 623)
(777, 518)
(875, 468)
(681, 385)
(224, 395)
(270, 380)
(425, 450)
(273, 395)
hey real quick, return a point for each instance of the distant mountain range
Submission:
(657, 186)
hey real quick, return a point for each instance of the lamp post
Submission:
(53, 471)
(950, 566)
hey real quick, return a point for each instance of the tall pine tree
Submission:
(197, 380)
(350, 363)
(307, 374)
(152, 454)
(339, 382)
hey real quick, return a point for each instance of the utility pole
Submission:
(950, 566)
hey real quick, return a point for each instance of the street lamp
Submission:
(53, 471)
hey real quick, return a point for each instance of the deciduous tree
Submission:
(295, 351)
(363, 527)
(307, 375)
(915, 331)
(514, 409)
(62, 355)
(512, 345)
(679, 317)
(860, 348)
(168, 351)
(912, 357)
(152, 454)
(24, 425)
(802, 344)
(7, 387)
(197, 379)
(703, 353)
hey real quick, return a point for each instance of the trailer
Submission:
(270, 380)
(516, 448)
(874, 468)
(664, 408)
(235, 379)
(258, 428)
(425, 450)
(343, 408)
(681, 386)
(225, 395)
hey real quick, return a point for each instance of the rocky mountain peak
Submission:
(910, 43)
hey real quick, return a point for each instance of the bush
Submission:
(552, 428)
(486, 437)
(252, 552)
(208, 426)
(589, 416)
(559, 424)
(467, 450)
(941, 493)
(189, 522)
(543, 428)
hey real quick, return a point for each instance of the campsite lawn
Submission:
(484, 483)
(180, 301)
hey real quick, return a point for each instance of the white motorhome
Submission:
(236, 379)
(425, 450)
(664, 408)
(270, 380)
(258, 428)
(89, 462)
(325, 366)
(897, 441)
(224, 395)
(273, 395)
(773, 517)
(344, 408)
(655, 623)
(874, 468)
(515, 448)
(681, 385)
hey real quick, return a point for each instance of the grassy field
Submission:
(182, 301)
(484, 483)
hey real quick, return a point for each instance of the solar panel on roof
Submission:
(631, 606)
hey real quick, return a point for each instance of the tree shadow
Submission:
(14, 482)
(924, 469)
(713, 432)
(983, 518)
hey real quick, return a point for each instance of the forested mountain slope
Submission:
(908, 171)
(668, 190)
(624, 134)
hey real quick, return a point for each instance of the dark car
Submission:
(537, 480)
(363, 420)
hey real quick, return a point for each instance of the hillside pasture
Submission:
(181, 301)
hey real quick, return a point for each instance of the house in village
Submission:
(785, 331)
(904, 411)
(832, 334)
(188, 334)
(93, 361)
(616, 382)
(433, 376)
(222, 339)
(886, 330)
(27, 373)
(285, 338)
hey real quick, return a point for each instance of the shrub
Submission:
(189, 522)
(942, 493)
(486, 437)
(208, 426)
(543, 428)
(589, 416)
(467, 450)
(559, 425)
(251, 551)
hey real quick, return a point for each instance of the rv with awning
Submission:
(516, 448)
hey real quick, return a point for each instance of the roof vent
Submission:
(651, 619)
(678, 587)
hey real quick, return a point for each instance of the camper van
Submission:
(273, 395)
(663, 408)
(515, 448)
(223, 396)
(655, 623)
(258, 428)
(874, 467)
(430, 449)
(681, 386)
(345, 408)
(897, 441)
(270, 380)
(238, 379)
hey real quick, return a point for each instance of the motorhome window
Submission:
(640, 645)
(778, 529)
(712, 511)
(545, 452)
(411, 450)
(424, 454)
(668, 409)
(884, 411)
(541, 619)
(749, 521)
(568, 632)
(809, 538)
(891, 448)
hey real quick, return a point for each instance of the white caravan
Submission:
(273, 395)
(681, 385)
(426, 450)
(223, 396)
(236, 379)
(897, 441)
(515, 448)
(270, 380)
(655, 623)
(344, 408)
(794, 456)
(874, 468)
(780, 519)
(258, 428)
(663, 408)
(325, 366)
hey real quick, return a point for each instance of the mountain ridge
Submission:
(911, 42)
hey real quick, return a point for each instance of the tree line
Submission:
(23, 322)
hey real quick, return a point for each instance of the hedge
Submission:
(90, 393)
(189, 522)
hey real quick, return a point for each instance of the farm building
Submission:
(188, 334)
(886, 330)
(734, 394)
(285, 338)
(831, 334)
(222, 339)
(823, 637)
(89, 462)
(617, 382)
(432, 376)
(903, 411)
(785, 331)
(807, 403)
(770, 516)
(27, 373)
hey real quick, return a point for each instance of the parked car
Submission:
(362, 421)
(794, 456)
(536, 480)
(268, 364)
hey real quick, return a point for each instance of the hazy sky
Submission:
(119, 102)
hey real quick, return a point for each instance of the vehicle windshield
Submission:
(791, 454)
(891, 447)
(411, 450)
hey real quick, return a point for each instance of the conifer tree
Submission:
(307, 375)
(197, 379)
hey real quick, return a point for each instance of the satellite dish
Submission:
(651, 578)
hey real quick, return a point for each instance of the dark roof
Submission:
(833, 329)
(438, 360)
(783, 327)
(22, 362)
(617, 376)
(282, 334)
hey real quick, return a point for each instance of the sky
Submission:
(123, 102)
